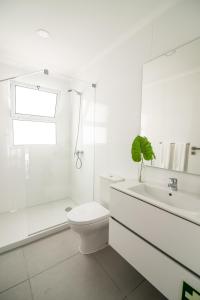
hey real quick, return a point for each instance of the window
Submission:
(27, 132)
(33, 114)
(35, 102)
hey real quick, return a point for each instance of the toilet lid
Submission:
(88, 213)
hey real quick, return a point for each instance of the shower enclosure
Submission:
(46, 154)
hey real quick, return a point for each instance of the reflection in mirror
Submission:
(171, 108)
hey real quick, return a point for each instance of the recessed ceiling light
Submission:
(43, 33)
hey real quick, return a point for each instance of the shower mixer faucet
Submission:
(79, 152)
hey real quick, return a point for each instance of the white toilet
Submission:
(90, 220)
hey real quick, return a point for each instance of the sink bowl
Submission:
(178, 200)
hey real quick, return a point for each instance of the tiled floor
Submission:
(53, 269)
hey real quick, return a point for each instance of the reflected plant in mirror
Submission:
(141, 150)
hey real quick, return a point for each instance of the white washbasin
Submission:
(177, 200)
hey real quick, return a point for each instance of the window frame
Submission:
(30, 117)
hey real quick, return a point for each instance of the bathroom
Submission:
(94, 59)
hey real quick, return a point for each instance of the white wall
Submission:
(117, 120)
(119, 85)
(47, 177)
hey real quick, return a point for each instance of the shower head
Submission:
(77, 92)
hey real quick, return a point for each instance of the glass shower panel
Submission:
(40, 181)
(13, 218)
(47, 179)
(82, 180)
(53, 183)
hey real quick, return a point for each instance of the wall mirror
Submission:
(170, 116)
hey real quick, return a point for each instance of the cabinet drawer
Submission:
(165, 274)
(175, 236)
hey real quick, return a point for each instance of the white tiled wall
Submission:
(117, 120)
(119, 84)
(47, 178)
(82, 179)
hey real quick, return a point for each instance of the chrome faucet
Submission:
(173, 184)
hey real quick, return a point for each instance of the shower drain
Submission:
(67, 209)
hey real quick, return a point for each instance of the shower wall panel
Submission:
(33, 174)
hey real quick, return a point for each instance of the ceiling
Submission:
(79, 30)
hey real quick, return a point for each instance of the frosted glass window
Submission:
(30, 133)
(34, 102)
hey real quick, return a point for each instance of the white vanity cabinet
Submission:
(164, 248)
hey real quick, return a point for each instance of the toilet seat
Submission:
(88, 213)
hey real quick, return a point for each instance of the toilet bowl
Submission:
(90, 222)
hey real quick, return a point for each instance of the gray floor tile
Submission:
(19, 292)
(78, 278)
(47, 252)
(146, 291)
(12, 269)
(122, 273)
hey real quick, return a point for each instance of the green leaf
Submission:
(147, 149)
(136, 149)
(141, 147)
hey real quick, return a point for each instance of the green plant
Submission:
(142, 150)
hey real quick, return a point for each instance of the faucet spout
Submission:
(173, 184)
